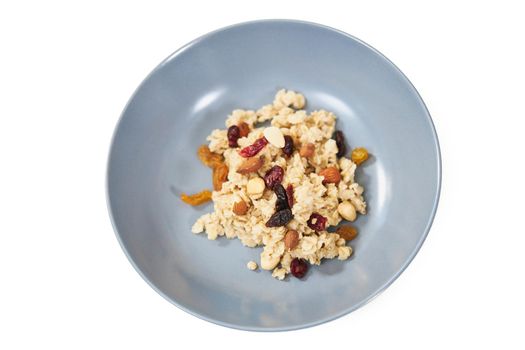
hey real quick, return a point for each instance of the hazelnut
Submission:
(307, 150)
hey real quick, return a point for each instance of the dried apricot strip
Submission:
(197, 198)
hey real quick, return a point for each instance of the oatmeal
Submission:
(282, 186)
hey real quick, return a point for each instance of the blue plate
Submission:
(153, 159)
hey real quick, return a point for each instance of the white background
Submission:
(66, 72)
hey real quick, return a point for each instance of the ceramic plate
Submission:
(153, 159)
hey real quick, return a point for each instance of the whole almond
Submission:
(244, 129)
(307, 150)
(250, 165)
(240, 208)
(331, 175)
(347, 232)
(291, 239)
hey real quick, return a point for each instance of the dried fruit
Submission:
(251, 165)
(208, 157)
(240, 208)
(233, 135)
(291, 239)
(359, 155)
(307, 150)
(197, 198)
(255, 187)
(282, 198)
(280, 218)
(253, 149)
(244, 129)
(275, 136)
(219, 176)
(347, 232)
(331, 175)
(288, 146)
(273, 176)
(298, 267)
(340, 142)
(347, 211)
(317, 222)
(289, 195)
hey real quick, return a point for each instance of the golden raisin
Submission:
(240, 208)
(244, 129)
(208, 157)
(359, 155)
(197, 198)
(220, 175)
(347, 232)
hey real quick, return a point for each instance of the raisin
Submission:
(317, 222)
(280, 218)
(253, 149)
(298, 267)
(288, 146)
(273, 176)
(244, 129)
(233, 135)
(219, 176)
(347, 232)
(340, 142)
(197, 198)
(208, 157)
(359, 155)
(282, 198)
(289, 194)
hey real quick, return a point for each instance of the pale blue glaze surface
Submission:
(153, 159)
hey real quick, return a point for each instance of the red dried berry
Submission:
(233, 135)
(273, 176)
(253, 149)
(340, 142)
(298, 267)
(288, 146)
(280, 218)
(289, 194)
(317, 222)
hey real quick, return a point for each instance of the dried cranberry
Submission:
(233, 135)
(282, 198)
(317, 222)
(340, 142)
(280, 218)
(289, 194)
(288, 146)
(253, 149)
(273, 176)
(298, 267)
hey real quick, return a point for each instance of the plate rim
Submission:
(335, 316)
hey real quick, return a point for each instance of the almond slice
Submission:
(274, 136)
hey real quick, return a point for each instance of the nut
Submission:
(240, 208)
(268, 262)
(347, 232)
(255, 187)
(331, 175)
(307, 150)
(291, 239)
(250, 165)
(274, 136)
(347, 211)
(244, 129)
